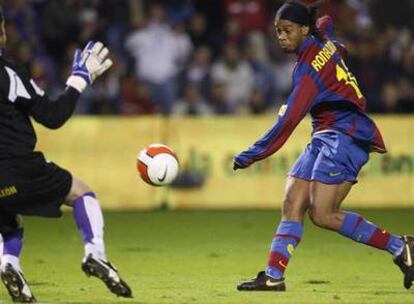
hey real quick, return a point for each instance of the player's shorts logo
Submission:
(334, 174)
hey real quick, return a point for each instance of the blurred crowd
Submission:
(205, 57)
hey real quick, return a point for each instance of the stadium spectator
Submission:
(88, 23)
(213, 10)
(197, 29)
(380, 45)
(199, 70)
(136, 97)
(114, 21)
(390, 99)
(22, 15)
(159, 52)
(257, 103)
(408, 62)
(250, 14)
(386, 12)
(218, 100)
(60, 27)
(406, 89)
(237, 77)
(233, 33)
(178, 11)
(264, 78)
(192, 103)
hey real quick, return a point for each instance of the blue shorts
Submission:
(331, 158)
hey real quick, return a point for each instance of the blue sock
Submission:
(360, 230)
(287, 237)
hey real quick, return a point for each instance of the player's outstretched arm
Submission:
(290, 115)
(87, 65)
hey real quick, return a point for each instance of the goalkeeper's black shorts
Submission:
(32, 186)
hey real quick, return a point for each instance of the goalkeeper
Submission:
(31, 185)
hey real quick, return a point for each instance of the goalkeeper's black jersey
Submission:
(20, 100)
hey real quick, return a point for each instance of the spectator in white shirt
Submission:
(159, 51)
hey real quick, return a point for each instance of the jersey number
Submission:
(343, 73)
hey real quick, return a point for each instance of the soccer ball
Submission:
(157, 165)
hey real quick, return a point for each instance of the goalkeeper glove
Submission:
(88, 65)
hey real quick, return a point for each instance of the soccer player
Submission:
(31, 185)
(343, 136)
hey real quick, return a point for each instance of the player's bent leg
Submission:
(89, 219)
(325, 202)
(286, 239)
(325, 213)
(10, 270)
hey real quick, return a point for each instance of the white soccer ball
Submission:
(157, 165)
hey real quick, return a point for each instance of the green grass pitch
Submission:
(198, 257)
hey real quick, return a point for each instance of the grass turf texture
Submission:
(199, 257)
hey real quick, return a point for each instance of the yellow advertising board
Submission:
(102, 152)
